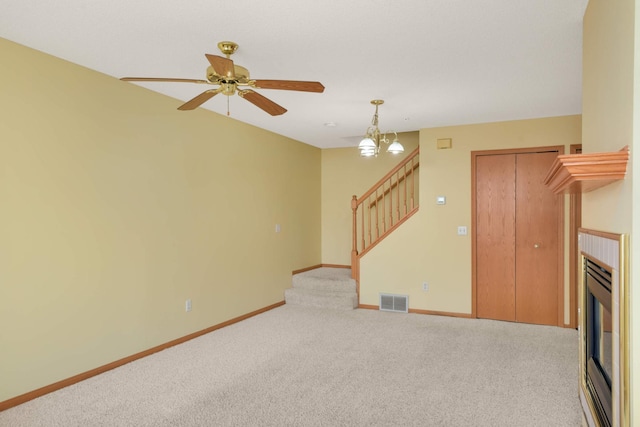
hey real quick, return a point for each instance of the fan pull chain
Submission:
(228, 106)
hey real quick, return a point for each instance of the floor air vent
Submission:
(397, 303)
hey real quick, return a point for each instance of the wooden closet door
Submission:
(495, 237)
(536, 241)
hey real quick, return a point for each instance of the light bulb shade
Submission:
(367, 152)
(395, 148)
(366, 143)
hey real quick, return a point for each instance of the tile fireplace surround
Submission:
(611, 251)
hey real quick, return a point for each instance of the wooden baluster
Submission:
(354, 240)
(369, 219)
(384, 211)
(397, 196)
(390, 203)
(404, 172)
(388, 194)
(362, 207)
(377, 217)
(413, 182)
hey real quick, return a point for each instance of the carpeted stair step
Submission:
(324, 299)
(323, 287)
(328, 284)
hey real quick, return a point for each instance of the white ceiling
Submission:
(433, 62)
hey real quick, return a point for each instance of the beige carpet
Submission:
(304, 366)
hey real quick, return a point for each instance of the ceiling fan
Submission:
(229, 78)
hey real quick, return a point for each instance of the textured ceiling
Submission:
(434, 62)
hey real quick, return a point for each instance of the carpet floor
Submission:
(305, 366)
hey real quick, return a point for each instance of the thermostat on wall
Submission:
(443, 143)
(441, 200)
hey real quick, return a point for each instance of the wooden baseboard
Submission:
(442, 313)
(418, 311)
(313, 267)
(15, 401)
(302, 270)
(336, 265)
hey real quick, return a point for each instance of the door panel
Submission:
(495, 237)
(536, 241)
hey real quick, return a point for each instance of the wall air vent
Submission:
(397, 303)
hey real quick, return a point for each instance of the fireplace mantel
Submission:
(580, 173)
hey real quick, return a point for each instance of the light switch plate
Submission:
(462, 230)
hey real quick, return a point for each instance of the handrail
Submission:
(410, 157)
(386, 191)
(381, 209)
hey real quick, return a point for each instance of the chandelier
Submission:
(370, 144)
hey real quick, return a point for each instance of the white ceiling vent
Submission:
(397, 303)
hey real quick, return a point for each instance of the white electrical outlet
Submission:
(462, 230)
(425, 286)
(187, 305)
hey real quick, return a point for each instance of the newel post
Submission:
(354, 242)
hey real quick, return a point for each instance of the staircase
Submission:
(377, 213)
(324, 287)
(388, 203)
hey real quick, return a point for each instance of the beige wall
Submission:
(608, 105)
(345, 174)
(611, 120)
(427, 247)
(115, 208)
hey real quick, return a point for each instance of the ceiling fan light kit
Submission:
(373, 138)
(229, 77)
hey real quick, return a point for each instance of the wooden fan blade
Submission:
(222, 66)
(200, 99)
(261, 102)
(161, 79)
(289, 85)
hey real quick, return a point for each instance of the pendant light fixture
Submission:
(370, 144)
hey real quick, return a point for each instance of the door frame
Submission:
(560, 218)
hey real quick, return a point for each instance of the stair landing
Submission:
(325, 287)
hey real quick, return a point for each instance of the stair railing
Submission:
(379, 211)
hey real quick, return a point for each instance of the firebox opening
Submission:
(599, 339)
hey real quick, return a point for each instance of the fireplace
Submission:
(598, 338)
(603, 313)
